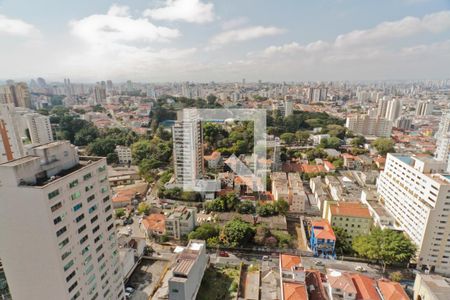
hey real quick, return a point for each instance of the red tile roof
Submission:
(288, 261)
(310, 169)
(294, 291)
(391, 290)
(155, 222)
(326, 233)
(366, 287)
(350, 209)
(314, 278)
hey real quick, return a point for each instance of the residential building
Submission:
(181, 221)
(322, 238)
(292, 278)
(11, 146)
(424, 108)
(433, 287)
(367, 125)
(16, 94)
(353, 217)
(296, 197)
(59, 204)
(394, 109)
(443, 141)
(280, 188)
(188, 149)
(390, 290)
(415, 192)
(188, 272)
(124, 154)
(99, 94)
(154, 224)
(214, 160)
(317, 138)
(39, 128)
(403, 123)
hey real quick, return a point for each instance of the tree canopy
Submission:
(384, 145)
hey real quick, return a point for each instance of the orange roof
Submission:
(309, 169)
(348, 156)
(350, 209)
(294, 291)
(366, 287)
(123, 196)
(314, 278)
(341, 281)
(288, 261)
(391, 290)
(155, 222)
(329, 165)
(326, 233)
(213, 156)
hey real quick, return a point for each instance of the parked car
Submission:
(223, 254)
(318, 263)
(360, 269)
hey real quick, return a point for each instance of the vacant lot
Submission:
(219, 283)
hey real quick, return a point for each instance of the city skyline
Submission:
(163, 41)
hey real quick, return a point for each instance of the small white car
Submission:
(360, 269)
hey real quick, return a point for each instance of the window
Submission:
(83, 239)
(110, 227)
(71, 275)
(75, 195)
(102, 168)
(53, 194)
(82, 228)
(98, 238)
(99, 248)
(77, 207)
(56, 207)
(94, 219)
(96, 228)
(107, 208)
(65, 255)
(76, 296)
(87, 176)
(105, 199)
(89, 269)
(108, 218)
(87, 259)
(61, 231)
(57, 220)
(74, 285)
(73, 183)
(63, 243)
(93, 208)
(68, 265)
(86, 249)
(79, 218)
(100, 257)
(90, 198)
(88, 188)
(104, 189)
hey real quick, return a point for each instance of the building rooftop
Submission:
(155, 222)
(440, 286)
(366, 287)
(350, 209)
(288, 261)
(294, 291)
(187, 258)
(342, 281)
(322, 230)
(393, 290)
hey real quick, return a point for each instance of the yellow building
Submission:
(353, 217)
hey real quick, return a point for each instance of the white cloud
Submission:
(192, 11)
(244, 34)
(233, 23)
(408, 26)
(16, 27)
(118, 26)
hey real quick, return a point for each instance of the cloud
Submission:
(192, 11)
(244, 34)
(233, 23)
(408, 26)
(16, 27)
(118, 26)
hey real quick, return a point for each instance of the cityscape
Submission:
(203, 150)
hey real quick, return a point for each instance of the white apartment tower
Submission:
(424, 108)
(367, 125)
(394, 109)
(57, 238)
(188, 148)
(39, 127)
(417, 195)
(11, 146)
(443, 141)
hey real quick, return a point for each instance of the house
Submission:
(390, 290)
(366, 287)
(340, 285)
(124, 154)
(329, 167)
(322, 238)
(333, 153)
(292, 278)
(297, 197)
(123, 198)
(154, 224)
(349, 160)
(313, 169)
(280, 188)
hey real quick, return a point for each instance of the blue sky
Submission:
(226, 40)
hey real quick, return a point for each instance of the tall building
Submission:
(39, 128)
(382, 107)
(188, 148)
(17, 94)
(68, 88)
(367, 125)
(188, 272)
(99, 94)
(403, 123)
(317, 94)
(11, 146)
(424, 108)
(443, 141)
(416, 194)
(56, 226)
(394, 109)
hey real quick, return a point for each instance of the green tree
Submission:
(358, 141)
(237, 233)
(112, 158)
(204, 232)
(384, 145)
(302, 137)
(246, 207)
(281, 206)
(396, 276)
(343, 241)
(120, 212)
(266, 210)
(288, 137)
(332, 142)
(387, 246)
(143, 208)
(86, 135)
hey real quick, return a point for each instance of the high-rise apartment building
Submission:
(16, 94)
(424, 108)
(99, 94)
(367, 125)
(39, 127)
(317, 94)
(57, 238)
(442, 152)
(11, 146)
(394, 109)
(417, 195)
(188, 148)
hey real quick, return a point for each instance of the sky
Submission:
(224, 40)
